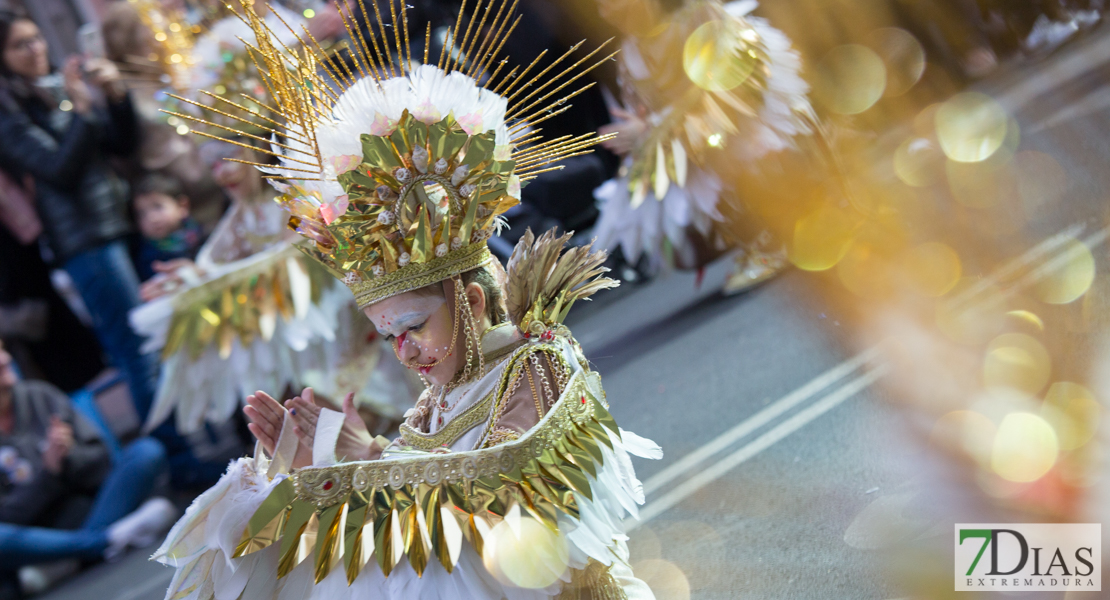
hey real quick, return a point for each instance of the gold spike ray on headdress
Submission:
(398, 171)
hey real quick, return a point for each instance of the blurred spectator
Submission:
(54, 131)
(61, 494)
(49, 341)
(168, 231)
(129, 43)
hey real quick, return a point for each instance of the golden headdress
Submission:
(398, 170)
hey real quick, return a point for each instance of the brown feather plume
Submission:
(544, 281)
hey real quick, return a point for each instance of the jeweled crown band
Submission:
(416, 276)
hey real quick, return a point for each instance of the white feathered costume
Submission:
(666, 188)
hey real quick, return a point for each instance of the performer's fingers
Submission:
(349, 409)
(300, 420)
(253, 413)
(267, 406)
(260, 422)
(267, 441)
(304, 409)
(309, 396)
(305, 438)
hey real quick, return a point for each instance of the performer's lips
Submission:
(425, 370)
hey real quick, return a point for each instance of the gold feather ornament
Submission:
(425, 508)
(544, 282)
(398, 174)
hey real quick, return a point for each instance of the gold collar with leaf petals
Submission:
(348, 512)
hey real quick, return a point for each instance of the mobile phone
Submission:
(90, 41)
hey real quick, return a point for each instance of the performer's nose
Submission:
(406, 349)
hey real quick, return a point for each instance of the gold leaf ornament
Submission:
(244, 304)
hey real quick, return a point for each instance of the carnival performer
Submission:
(510, 479)
(708, 95)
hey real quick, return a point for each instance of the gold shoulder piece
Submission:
(423, 508)
(245, 304)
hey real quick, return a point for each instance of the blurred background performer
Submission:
(707, 95)
(252, 312)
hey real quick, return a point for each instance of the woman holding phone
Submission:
(54, 131)
(57, 131)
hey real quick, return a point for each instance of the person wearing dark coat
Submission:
(53, 131)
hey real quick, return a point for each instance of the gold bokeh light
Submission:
(716, 57)
(903, 56)
(916, 162)
(850, 79)
(531, 556)
(1018, 362)
(971, 127)
(822, 238)
(1073, 411)
(1068, 276)
(665, 579)
(1025, 448)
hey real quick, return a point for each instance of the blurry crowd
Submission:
(102, 197)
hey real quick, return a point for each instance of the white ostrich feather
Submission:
(374, 108)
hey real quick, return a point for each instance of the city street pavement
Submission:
(786, 475)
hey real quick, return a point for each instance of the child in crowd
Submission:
(168, 232)
(62, 495)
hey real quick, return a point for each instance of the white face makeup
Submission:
(420, 329)
(397, 318)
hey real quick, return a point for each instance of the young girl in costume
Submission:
(510, 478)
(252, 312)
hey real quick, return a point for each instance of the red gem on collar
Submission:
(328, 485)
(583, 399)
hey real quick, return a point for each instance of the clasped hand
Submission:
(267, 416)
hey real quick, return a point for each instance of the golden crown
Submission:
(397, 171)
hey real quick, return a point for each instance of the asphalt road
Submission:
(809, 479)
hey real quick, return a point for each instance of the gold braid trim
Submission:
(452, 431)
(502, 435)
(595, 582)
(455, 428)
(517, 362)
(418, 275)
